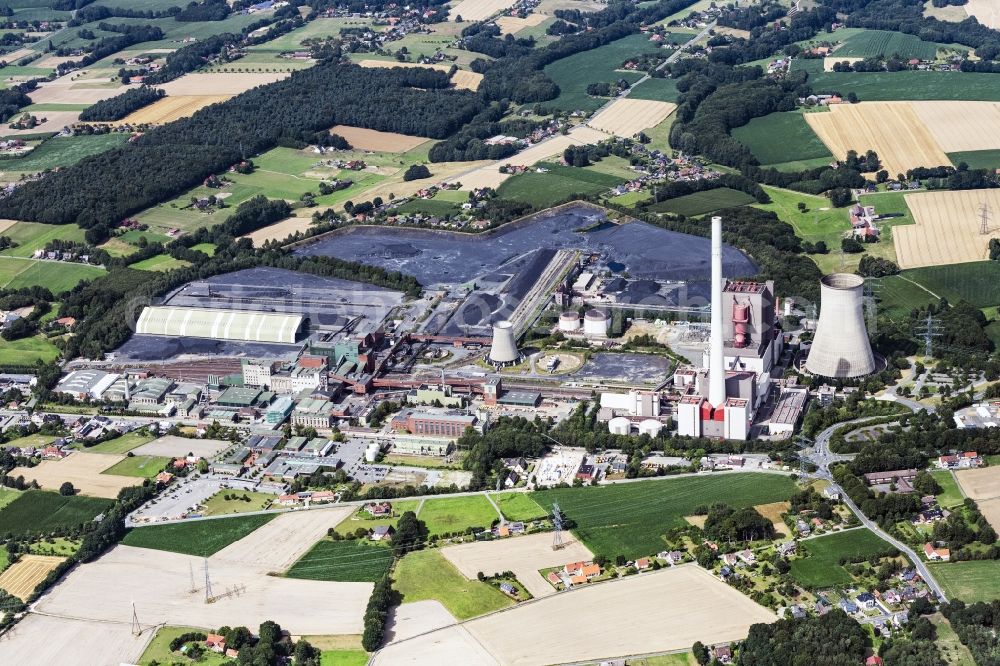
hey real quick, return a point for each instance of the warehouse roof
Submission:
(219, 324)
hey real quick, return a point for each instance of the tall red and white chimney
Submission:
(716, 357)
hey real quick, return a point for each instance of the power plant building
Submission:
(840, 347)
(723, 398)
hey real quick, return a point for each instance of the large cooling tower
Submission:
(840, 347)
(503, 351)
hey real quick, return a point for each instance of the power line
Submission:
(930, 330)
(557, 525)
(984, 218)
(208, 585)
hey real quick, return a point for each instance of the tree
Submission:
(416, 172)
(925, 484)
(851, 246)
(67, 489)
(700, 653)
(411, 533)
(840, 197)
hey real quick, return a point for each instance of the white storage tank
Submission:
(595, 323)
(372, 451)
(569, 322)
(650, 427)
(619, 426)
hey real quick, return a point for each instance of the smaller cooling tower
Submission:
(503, 351)
(840, 347)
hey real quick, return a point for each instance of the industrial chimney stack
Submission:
(716, 358)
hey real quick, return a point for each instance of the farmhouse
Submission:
(383, 533)
(964, 460)
(936, 554)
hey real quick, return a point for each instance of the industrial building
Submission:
(241, 325)
(721, 402)
(84, 384)
(427, 423)
(633, 403)
(751, 338)
(840, 347)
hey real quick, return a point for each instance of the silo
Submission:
(619, 426)
(840, 347)
(503, 351)
(650, 427)
(569, 322)
(595, 323)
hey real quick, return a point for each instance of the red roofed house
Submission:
(939, 554)
(164, 478)
(642, 563)
(216, 643)
(873, 660)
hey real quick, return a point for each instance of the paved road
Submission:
(823, 458)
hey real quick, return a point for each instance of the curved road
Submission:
(823, 458)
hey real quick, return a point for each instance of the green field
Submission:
(217, 504)
(437, 207)
(8, 495)
(28, 350)
(951, 495)
(364, 521)
(455, 514)
(977, 159)
(57, 276)
(122, 444)
(630, 519)
(348, 561)
(161, 262)
(700, 203)
(343, 658)
(544, 190)
(38, 512)
(780, 138)
(31, 236)
(574, 73)
(821, 567)
(426, 574)
(870, 43)
(898, 296)
(158, 650)
(196, 537)
(660, 90)
(974, 282)
(519, 506)
(205, 248)
(909, 85)
(145, 467)
(63, 151)
(969, 581)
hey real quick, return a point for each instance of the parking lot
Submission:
(184, 494)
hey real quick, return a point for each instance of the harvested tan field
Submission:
(627, 117)
(985, 11)
(652, 612)
(511, 24)
(961, 126)
(478, 10)
(991, 510)
(279, 230)
(54, 61)
(172, 108)
(22, 577)
(14, 56)
(386, 142)
(466, 80)
(451, 645)
(980, 484)
(390, 64)
(734, 32)
(946, 229)
(892, 129)
(172, 446)
(412, 619)
(983, 485)
(83, 470)
(440, 171)
(279, 543)
(525, 556)
(697, 521)
(39, 639)
(220, 84)
(773, 513)
(159, 584)
(629, 616)
(828, 63)
(6, 224)
(52, 121)
(66, 91)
